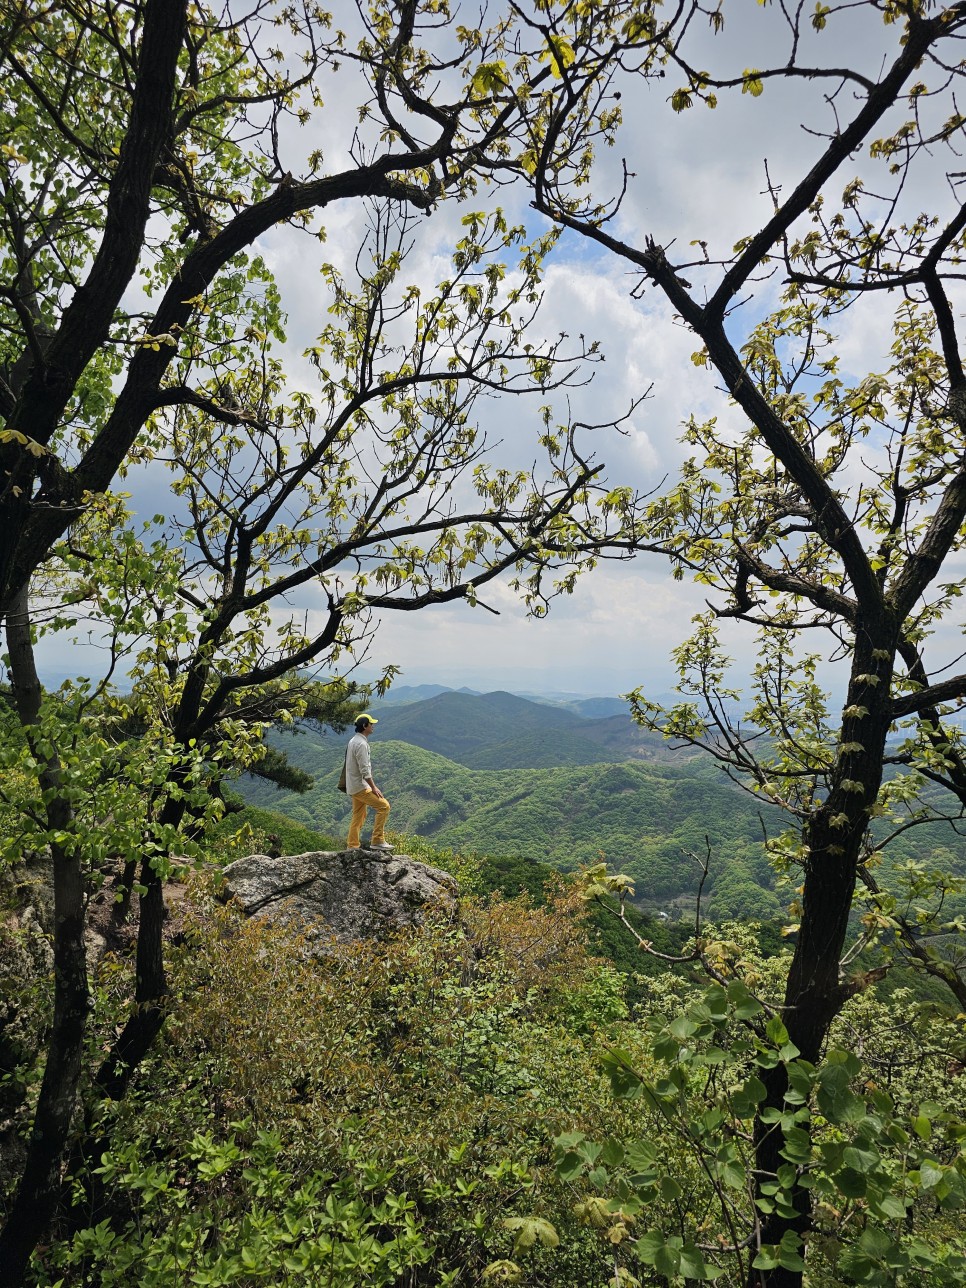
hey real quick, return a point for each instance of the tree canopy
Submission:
(150, 145)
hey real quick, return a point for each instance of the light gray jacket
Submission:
(358, 765)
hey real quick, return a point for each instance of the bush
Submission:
(374, 1117)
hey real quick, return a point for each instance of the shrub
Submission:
(373, 1116)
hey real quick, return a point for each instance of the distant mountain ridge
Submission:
(403, 694)
(591, 708)
(505, 731)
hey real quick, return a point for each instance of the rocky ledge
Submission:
(345, 894)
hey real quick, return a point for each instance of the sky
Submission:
(698, 175)
(618, 628)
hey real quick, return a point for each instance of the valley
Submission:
(505, 776)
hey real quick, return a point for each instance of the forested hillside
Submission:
(640, 818)
(652, 821)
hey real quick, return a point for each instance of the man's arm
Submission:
(367, 774)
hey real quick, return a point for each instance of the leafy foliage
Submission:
(474, 1098)
(428, 1072)
(144, 156)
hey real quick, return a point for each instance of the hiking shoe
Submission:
(381, 845)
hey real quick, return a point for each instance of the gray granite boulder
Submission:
(348, 894)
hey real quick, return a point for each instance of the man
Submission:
(360, 786)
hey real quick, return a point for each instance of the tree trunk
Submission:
(37, 1193)
(123, 889)
(833, 834)
(151, 988)
(147, 1014)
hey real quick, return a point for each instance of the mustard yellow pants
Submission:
(361, 802)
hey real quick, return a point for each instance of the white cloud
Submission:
(614, 633)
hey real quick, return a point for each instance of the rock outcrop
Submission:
(345, 894)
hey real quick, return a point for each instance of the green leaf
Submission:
(490, 78)
(789, 1254)
(850, 1183)
(530, 1231)
(888, 1206)
(930, 1174)
(745, 1005)
(746, 1099)
(570, 1166)
(650, 1245)
(835, 1097)
(624, 1080)
(776, 1032)
(694, 1266)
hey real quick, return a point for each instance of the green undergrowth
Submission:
(473, 1103)
(373, 1118)
(248, 829)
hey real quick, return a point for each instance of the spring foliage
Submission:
(473, 1099)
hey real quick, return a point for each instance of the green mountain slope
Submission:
(503, 731)
(644, 818)
(540, 749)
(457, 724)
(641, 818)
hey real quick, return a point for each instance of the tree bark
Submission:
(36, 1196)
(814, 991)
(151, 986)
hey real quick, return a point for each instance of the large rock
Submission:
(348, 894)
